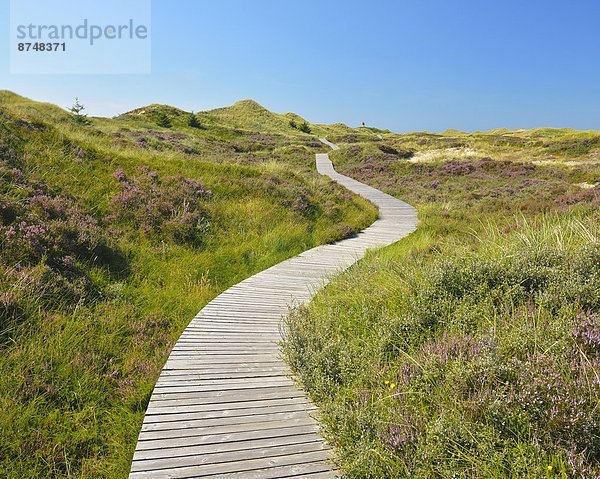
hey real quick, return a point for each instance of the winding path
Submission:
(224, 405)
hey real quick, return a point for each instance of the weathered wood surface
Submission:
(224, 405)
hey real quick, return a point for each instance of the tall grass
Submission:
(112, 237)
(470, 348)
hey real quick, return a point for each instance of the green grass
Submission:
(422, 356)
(472, 347)
(96, 285)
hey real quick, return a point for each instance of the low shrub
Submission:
(169, 208)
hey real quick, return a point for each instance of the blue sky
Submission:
(407, 66)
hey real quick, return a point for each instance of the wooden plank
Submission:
(202, 369)
(176, 428)
(241, 357)
(223, 348)
(306, 470)
(168, 381)
(228, 413)
(224, 384)
(226, 396)
(239, 385)
(216, 374)
(224, 435)
(236, 364)
(182, 436)
(211, 407)
(141, 457)
(220, 395)
(232, 339)
(266, 324)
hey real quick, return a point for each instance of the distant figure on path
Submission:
(363, 123)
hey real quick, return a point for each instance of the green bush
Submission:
(163, 120)
(192, 121)
(305, 128)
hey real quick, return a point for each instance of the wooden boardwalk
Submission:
(224, 405)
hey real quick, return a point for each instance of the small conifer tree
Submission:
(192, 120)
(305, 128)
(163, 120)
(78, 116)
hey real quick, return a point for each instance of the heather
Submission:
(470, 348)
(113, 235)
(168, 208)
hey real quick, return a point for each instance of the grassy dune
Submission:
(112, 236)
(469, 349)
(245, 115)
(472, 347)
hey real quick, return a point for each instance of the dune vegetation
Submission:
(114, 233)
(472, 347)
(469, 349)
